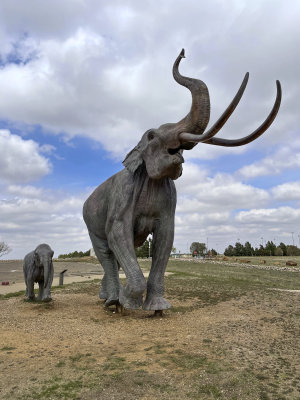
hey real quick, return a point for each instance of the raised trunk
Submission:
(198, 117)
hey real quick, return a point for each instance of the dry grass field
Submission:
(232, 333)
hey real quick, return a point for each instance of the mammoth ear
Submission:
(133, 160)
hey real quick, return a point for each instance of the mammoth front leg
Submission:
(30, 288)
(41, 290)
(46, 296)
(121, 243)
(163, 236)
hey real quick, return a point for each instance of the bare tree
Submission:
(4, 249)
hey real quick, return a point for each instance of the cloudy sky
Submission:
(81, 81)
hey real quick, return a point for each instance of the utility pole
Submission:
(293, 238)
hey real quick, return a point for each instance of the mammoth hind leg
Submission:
(110, 283)
(103, 288)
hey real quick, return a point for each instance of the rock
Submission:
(291, 263)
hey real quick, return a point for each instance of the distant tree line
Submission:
(75, 254)
(270, 249)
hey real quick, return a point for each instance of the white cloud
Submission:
(20, 159)
(209, 152)
(47, 148)
(287, 157)
(26, 191)
(207, 205)
(199, 192)
(104, 70)
(254, 225)
(287, 191)
(36, 216)
(281, 215)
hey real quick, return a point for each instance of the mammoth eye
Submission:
(151, 135)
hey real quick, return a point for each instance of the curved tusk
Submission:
(222, 120)
(229, 110)
(238, 142)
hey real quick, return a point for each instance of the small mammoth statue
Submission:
(38, 267)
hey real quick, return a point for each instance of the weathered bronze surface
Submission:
(141, 199)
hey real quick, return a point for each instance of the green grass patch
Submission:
(7, 348)
(187, 361)
(115, 364)
(55, 388)
(227, 278)
(60, 364)
(10, 295)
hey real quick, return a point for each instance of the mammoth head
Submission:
(43, 254)
(161, 159)
(161, 149)
(43, 258)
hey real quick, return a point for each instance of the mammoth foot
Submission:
(131, 303)
(30, 298)
(111, 301)
(156, 303)
(111, 298)
(47, 299)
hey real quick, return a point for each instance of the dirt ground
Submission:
(229, 335)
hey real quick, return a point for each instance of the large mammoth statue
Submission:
(141, 199)
(38, 267)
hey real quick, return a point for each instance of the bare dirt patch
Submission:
(227, 336)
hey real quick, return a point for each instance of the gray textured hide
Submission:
(38, 267)
(141, 199)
